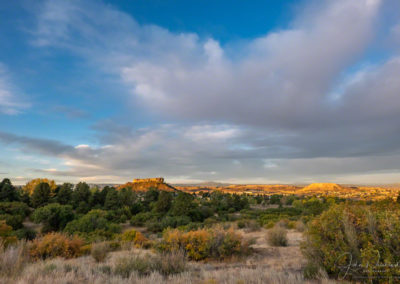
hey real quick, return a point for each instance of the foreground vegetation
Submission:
(50, 232)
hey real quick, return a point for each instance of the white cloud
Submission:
(10, 101)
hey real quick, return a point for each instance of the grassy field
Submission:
(267, 264)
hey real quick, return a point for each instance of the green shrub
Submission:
(166, 264)
(93, 226)
(141, 218)
(277, 237)
(53, 216)
(353, 233)
(126, 265)
(25, 234)
(15, 221)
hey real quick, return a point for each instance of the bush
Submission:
(249, 225)
(126, 265)
(165, 264)
(202, 244)
(93, 226)
(25, 234)
(99, 251)
(6, 237)
(354, 233)
(54, 245)
(170, 263)
(141, 218)
(300, 226)
(277, 237)
(135, 237)
(53, 216)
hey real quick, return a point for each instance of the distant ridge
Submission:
(322, 188)
(141, 185)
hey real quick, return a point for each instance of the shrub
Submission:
(170, 263)
(202, 244)
(99, 251)
(6, 237)
(277, 236)
(86, 249)
(93, 226)
(165, 264)
(25, 234)
(353, 233)
(126, 265)
(14, 208)
(53, 216)
(135, 237)
(15, 221)
(54, 245)
(249, 225)
(300, 226)
(141, 218)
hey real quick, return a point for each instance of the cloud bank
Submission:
(287, 106)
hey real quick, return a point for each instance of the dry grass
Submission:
(13, 259)
(267, 265)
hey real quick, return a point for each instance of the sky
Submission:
(233, 91)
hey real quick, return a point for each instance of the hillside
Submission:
(323, 188)
(318, 189)
(141, 185)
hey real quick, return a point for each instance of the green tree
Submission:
(7, 191)
(163, 203)
(112, 201)
(64, 194)
(81, 194)
(127, 197)
(53, 216)
(183, 204)
(41, 195)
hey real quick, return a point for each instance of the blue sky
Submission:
(235, 91)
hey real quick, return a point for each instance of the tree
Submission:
(81, 194)
(64, 195)
(31, 185)
(183, 204)
(53, 216)
(112, 200)
(150, 197)
(163, 203)
(96, 199)
(7, 191)
(127, 196)
(40, 195)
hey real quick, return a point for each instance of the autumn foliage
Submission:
(54, 245)
(31, 185)
(202, 244)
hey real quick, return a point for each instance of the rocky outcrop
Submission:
(148, 183)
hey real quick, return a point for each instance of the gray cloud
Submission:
(282, 107)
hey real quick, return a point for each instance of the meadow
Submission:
(68, 233)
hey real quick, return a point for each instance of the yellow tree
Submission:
(30, 186)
